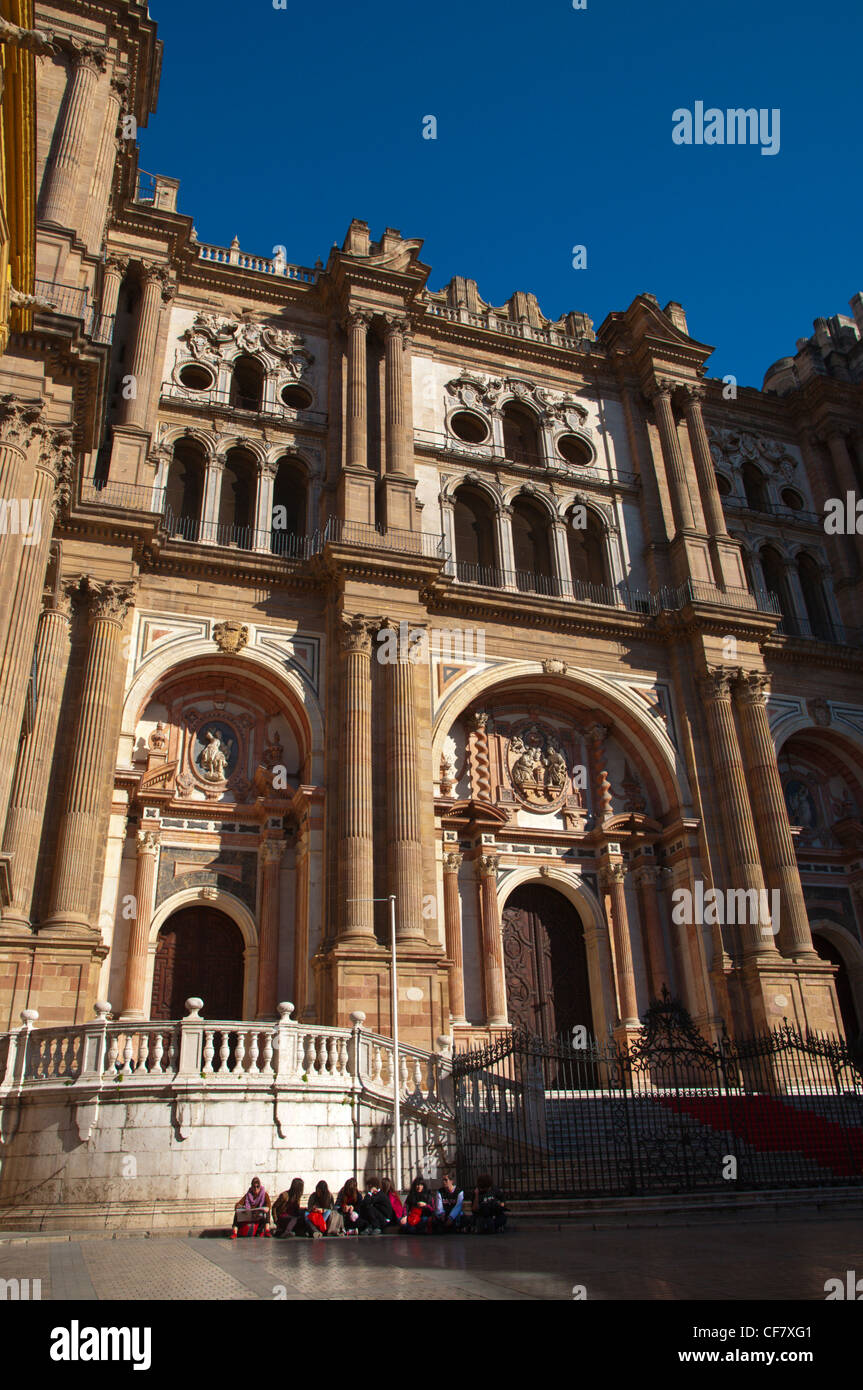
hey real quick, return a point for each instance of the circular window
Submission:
(574, 450)
(195, 377)
(469, 427)
(723, 486)
(792, 499)
(297, 397)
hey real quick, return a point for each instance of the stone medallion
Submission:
(537, 767)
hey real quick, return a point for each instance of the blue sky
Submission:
(554, 129)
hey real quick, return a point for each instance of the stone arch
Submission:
(851, 952)
(475, 480)
(285, 685)
(207, 441)
(572, 887)
(623, 707)
(232, 907)
(531, 493)
(227, 442)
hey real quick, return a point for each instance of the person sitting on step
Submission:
(252, 1212)
(287, 1213)
(348, 1203)
(395, 1201)
(488, 1207)
(375, 1208)
(448, 1207)
(321, 1215)
(419, 1207)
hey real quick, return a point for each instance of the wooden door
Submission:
(199, 953)
(545, 960)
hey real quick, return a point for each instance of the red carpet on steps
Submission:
(772, 1125)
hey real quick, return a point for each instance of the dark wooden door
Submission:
(199, 953)
(545, 960)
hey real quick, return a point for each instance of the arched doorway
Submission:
(828, 950)
(545, 962)
(199, 952)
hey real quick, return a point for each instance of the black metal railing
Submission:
(549, 1119)
(826, 630)
(370, 537)
(286, 544)
(229, 398)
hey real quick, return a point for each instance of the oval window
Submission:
(469, 427)
(195, 377)
(297, 397)
(574, 450)
(792, 499)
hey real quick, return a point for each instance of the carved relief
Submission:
(736, 447)
(537, 768)
(231, 637)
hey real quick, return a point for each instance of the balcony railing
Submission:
(489, 452)
(265, 265)
(286, 544)
(129, 497)
(838, 634)
(494, 323)
(378, 538)
(73, 302)
(228, 399)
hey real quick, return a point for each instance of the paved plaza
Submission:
(732, 1259)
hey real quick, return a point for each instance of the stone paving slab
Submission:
(748, 1260)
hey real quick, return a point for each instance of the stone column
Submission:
(51, 485)
(492, 941)
(612, 875)
(62, 185)
(505, 551)
(680, 500)
(356, 845)
(269, 860)
(356, 327)
(20, 423)
(452, 929)
(692, 395)
(264, 506)
(399, 455)
(741, 845)
(560, 559)
(771, 815)
(134, 1000)
(447, 511)
(91, 756)
(595, 735)
(157, 290)
(31, 787)
(403, 800)
(211, 503)
(97, 204)
(112, 279)
(658, 973)
(302, 861)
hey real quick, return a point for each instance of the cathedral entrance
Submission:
(545, 960)
(199, 953)
(829, 951)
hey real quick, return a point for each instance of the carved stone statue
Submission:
(214, 759)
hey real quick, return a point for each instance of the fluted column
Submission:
(771, 814)
(612, 875)
(680, 500)
(403, 800)
(51, 483)
(658, 973)
(20, 423)
(264, 506)
(735, 809)
(399, 453)
(269, 859)
(31, 786)
(302, 861)
(134, 1001)
(356, 846)
(100, 188)
(62, 184)
(560, 558)
(157, 290)
(112, 279)
(692, 395)
(452, 930)
(91, 755)
(492, 941)
(356, 327)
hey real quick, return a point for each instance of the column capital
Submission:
(20, 421)
(356, 635)
(396, 325)
(111, 601)
(117, 263)
(752, 687)
(612, 873)
(89, 56)
(271, 851)
(452, 862)
(662, 388)
(716, 685)
(690, 393)
(148, 839)
(266, 468)
(155, 272)
(477, 721)
(357, 318)
(487, 865)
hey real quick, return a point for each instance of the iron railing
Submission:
(370, 537)
(286, 544)
(230, 399)
(675, 1113)
(837, 634)
(73, 302)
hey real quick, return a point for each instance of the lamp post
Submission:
(397, 1114)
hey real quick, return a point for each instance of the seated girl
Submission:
(252, 1212)
(321, 1215)
(348, 1204)
(286, 1209)
(395, 1202)
(419, 1207)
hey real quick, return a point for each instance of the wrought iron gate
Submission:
(676, 1113)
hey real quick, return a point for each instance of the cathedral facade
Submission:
(321, 587)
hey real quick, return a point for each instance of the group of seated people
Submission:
(377, 1210)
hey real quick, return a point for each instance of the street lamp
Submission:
(397, 1114)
